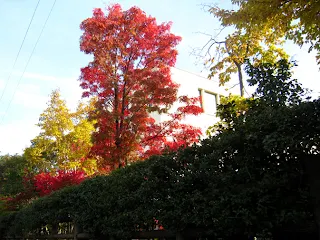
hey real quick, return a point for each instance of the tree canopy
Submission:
(64, 140)
(229, 55)
(295, 20)
(12, 170)
(130, 78)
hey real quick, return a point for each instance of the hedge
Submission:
(246, 180)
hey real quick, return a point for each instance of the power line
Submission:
(25, 68)
(17, 56)
(198, 75)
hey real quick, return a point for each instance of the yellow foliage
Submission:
(253, 44)
(276, 19)
(65, 138)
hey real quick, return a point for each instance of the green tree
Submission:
(65, 138)
(230, 108)
(259, 156)
(274, 87)
(12, 170)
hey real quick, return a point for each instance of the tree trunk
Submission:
(240, 78)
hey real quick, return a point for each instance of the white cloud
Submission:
(33, 94)
(16, 136)
(192, 41)
(30, 100)
(36, 95)
(34, 88)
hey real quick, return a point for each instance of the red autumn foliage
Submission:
(22, 198)
(130, 77)
(42, 184)
(45, 183)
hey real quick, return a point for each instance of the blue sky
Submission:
(57, 59)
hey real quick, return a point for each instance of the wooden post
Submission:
(105, 237)
(179, 236)
(75, 231)
(55, 228)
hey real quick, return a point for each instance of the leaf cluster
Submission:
(12, 170)
(130, 78)
(64, 139)
(295, 20)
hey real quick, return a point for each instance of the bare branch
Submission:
(206, 6)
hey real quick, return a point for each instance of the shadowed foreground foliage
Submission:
(253, 177)
(249, 179)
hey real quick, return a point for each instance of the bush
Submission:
(249, 179)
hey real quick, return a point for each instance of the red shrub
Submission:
(45, 183)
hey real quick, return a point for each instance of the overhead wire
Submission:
(198, 75)
(18, 54)
(26, 66)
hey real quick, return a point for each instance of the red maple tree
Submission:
(130, 77)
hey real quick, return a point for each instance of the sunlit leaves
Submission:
(295, 20)
(256, 44)
(46, 183)
(130, 78)
(64, 140)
